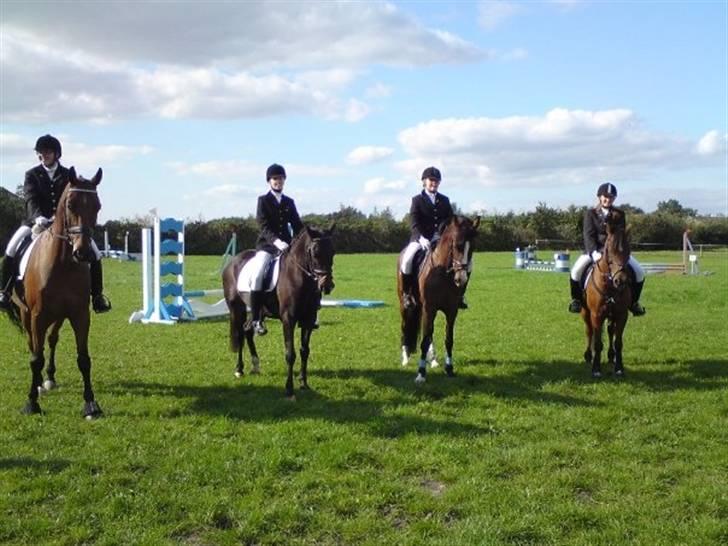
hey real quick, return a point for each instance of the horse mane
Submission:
(617, 242)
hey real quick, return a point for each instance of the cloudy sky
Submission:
(185, 104)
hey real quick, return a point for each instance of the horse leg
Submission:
(80, 324)
(250, 337)
(428, 326)
(432, 356)
(596, 347)
(610, 335)
(36, 341)
(50, 383)
(449, 339)
(305, 351)
(589, 333)
(288, 331)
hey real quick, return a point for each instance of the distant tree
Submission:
(673, 206)
(630, 209)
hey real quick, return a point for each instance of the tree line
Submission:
(380, 231)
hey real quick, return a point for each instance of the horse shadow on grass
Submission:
(36, 465)
(264, 403)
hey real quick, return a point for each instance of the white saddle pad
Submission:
(24, 260)
(250, 271)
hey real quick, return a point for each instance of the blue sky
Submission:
(185, 104)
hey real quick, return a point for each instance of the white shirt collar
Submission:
(432, 196)
(278, 195)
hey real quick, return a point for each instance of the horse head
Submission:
(318, 255)
(77, 213)
(617, 249)
(455, 246)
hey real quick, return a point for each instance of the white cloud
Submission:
(492, 13)
(712, 143)
(378, 91)
(379, 185)
(230, 63)
(562, 147)
(368, 154)
(242, 169)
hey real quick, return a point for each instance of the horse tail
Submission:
(13, 313)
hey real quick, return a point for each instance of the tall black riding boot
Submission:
(576, 295)
(636, 308)
(99, 302)
(6, 281)
(408, 290)
(256, 312)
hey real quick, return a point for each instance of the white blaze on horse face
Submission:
(466, 253)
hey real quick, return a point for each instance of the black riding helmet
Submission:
(48, 142)
(275, 170)
(431, 172)
(607, 189)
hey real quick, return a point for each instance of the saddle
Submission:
(270, 276)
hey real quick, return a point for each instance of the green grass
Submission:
(523, 447)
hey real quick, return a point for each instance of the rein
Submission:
(310, 271)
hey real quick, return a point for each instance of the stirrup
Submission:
(5, 300)
(637, 309)
(100, 303)
(575, 306)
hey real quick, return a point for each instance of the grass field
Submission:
(523, 447)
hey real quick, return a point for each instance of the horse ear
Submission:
(72, 175)
(476, 222)
(97, 177)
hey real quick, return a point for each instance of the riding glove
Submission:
(280, 244)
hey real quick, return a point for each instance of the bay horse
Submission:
(607, 296)
(56, 287)
(306, 270)
(441, 280)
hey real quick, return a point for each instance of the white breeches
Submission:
(259, 262)
(583, 261)
(21, 233)
(96, 250)
(408, 257)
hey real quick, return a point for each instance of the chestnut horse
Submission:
(608, 295)
(56, 287)
(305, 272)
(441, 280)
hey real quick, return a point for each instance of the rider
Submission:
(42, 189)
(428, 211)
(279, 222)
(595, 235)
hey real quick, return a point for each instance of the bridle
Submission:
(70, 232)
(309, 268)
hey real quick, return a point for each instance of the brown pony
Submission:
(441, 280)
(56, 287)
(608, 295)
(305, 272)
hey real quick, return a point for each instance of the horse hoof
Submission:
(32, 408)
(449, 371)
(596, 375)
(239, 374)
(255, 371)
(420, 379)
(434, 363)
(619, 373)
(49, 385)
(291, 397)
(91, 410)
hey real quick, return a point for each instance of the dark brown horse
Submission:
(608, 295)
(56, 287)
(441, 280)
(305, 272)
